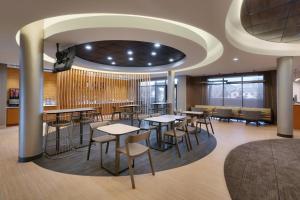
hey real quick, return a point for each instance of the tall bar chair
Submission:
(82, 119)
(98, 114)
(99, 139)
(63, 141)
(116, 111)
(133, 149)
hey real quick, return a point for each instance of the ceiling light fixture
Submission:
(113, 62)
(131, 58)
(171, 60)
(156, 45)
(235, 59)
(153, 53)
(109, 58)
(297, 79)
(88, 47)
(149, 64)
(129, 52)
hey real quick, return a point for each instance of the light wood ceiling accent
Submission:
(272, 20)
(81, 88)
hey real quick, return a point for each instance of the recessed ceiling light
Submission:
(171, 60)
(156, 45)
(235, 59)
(153, 53)
(149, 64)
(88, 47)
(130, 58)
(113, 62)
(129, 52)
(109, 58)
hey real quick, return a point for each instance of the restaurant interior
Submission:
(151, 100)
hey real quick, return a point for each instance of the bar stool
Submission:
(115, 111)
(58, 122)
(98, 114)
(82, 119)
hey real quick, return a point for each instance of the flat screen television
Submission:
(64, 59)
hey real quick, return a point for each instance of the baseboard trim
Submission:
(285, 136)
(28, 159)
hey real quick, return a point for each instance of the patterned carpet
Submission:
(264, 170)
(75, 162)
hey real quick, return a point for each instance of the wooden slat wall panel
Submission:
(82, 88)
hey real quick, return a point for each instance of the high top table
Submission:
(61, 111)
(117, 130)
(132, 111)
(164, 108)
(163, 119)
(194, 113)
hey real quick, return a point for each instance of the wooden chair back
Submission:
(137, 138)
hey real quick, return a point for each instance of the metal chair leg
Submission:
(151, 164)
(177, 147)
(107, 146)
(129, 160)
(89, 151)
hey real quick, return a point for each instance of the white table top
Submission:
(129, 105)
(192, 112)
(165, 118)
(68, 110)
(118, 129)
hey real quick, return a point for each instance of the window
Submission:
(246, 91)
(158, 90)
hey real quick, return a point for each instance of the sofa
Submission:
(240, 113)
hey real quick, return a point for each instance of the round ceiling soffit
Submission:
(61, 24)
(241, 39)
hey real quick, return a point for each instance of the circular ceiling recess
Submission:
(127, 53)
(274, 21)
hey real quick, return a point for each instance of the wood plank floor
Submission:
(203, 179)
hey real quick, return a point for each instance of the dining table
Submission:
(117, 130)
(57, 112)
(163, 119)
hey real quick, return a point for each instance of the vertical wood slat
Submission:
(82, 88)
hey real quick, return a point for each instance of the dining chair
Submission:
(192, 128)
(179, 131)
(115, 111)
(99, 139)
(147, 126)
(205, 119)
(133, 149)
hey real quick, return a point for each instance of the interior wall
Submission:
(50, 83)
(3, 95)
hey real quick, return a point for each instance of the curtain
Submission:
(270, 92)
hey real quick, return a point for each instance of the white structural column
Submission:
(31, 92)
(171, 85)
(285, 97)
